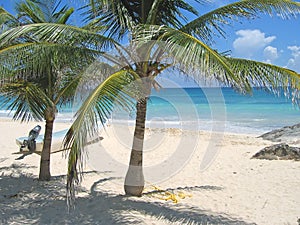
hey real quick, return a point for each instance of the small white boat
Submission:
(56, 145)
(57, 138)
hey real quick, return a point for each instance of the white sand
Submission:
(221, 184)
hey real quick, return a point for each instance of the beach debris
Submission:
(168, 195)
(280, 151)
(287, 134)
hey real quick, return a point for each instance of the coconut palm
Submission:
(39, 75)
(185, 43)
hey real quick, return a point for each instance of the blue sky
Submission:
(267, 39)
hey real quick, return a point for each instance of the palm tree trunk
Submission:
(45, 156)
(134, 180)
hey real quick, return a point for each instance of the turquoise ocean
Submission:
(218, 109)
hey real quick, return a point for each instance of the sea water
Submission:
(217, 109)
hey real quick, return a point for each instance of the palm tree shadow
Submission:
(173, 213)
(194, 188)
(181, 214)
(24, 199)
(24, 155)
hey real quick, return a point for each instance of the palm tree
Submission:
(187, 43)
(39, 75)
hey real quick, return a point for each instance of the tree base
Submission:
(134, 181)
(45, 177)
(133, 190)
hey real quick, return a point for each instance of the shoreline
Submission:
(201, 125)
(232, 188)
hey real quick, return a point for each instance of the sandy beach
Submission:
(211, 175)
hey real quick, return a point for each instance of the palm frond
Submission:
(169, 13)
(77, 83)
(94, 75)
(114, 15)
(63, 15)
(7, 20)
(120, 17)
(31, 59)
(27, 99)
(198, 60)
(30, 12)
(66, 87)
(119, 90)
(57, 33)
(269, 77)
(204, 27)
(43, 12)
(192, 56)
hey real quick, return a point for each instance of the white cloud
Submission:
(295, 50)
(270, 54)
(250, 42)
(294, 61)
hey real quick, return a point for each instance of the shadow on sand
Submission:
(25, 200)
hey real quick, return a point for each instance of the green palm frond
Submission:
(7, 20)
(27, 99)
(66, 87)
(197, 59)
(151, 19)
(121, 17)
(95, 74)
(204, 26)
(63, 15)
(192, 56)
(56, 58)
(30, 59)
(169, 13)
(119, 90)
(113, 14)
(43, 12)
(57, 33)
(270, 77)
(78, 83)
(31, 12)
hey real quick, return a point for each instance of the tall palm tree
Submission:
(187, 43)
(39, 75)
